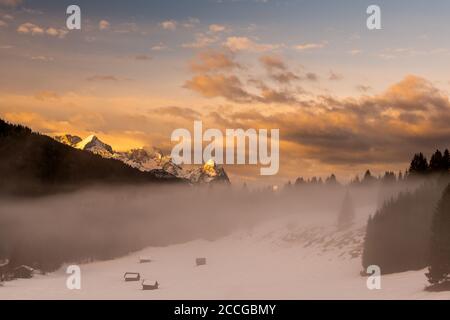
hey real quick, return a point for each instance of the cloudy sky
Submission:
(344, 98)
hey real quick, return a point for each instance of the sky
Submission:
(344, 97)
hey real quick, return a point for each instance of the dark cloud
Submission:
(270, 95)
(277, 69)
(284, 77)
(411, 116)
(311, 76)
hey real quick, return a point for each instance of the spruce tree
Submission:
(419, 164)
(347, 212)
(439, 268)
(368, 178)
(331, 180)
(436, 161)
(300, 181)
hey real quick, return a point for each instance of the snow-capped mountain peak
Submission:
(209, 172)
(210, 168)
(94, 144)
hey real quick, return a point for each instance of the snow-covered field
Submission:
(276, 260)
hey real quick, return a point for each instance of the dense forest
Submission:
(398, 236)
(439, 269)
(31, 164)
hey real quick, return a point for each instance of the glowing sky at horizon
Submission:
(344, 98)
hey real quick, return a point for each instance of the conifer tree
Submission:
(331, 180)
(419, 164)
(436, 161)
(368, 178)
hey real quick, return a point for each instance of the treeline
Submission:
(439, 162)
(367, 180)
(419, 167)
(398, 236)
(31, 164)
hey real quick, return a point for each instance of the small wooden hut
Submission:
(132, 276)
(200, 261)
(150, 285)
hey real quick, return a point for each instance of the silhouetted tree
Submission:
(331, 180)
(300, 181)
(388, 178)
(419, 164)
(439, 269)
(368, 178)
(436, 162)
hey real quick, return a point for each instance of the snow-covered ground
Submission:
(276, 260)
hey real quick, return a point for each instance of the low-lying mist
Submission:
(107, 222)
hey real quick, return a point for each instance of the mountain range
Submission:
(148, 160)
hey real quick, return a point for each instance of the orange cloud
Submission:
(246, 44)
(169, 25)
(213, 60)
(30, 28)
(272, 62)
(310, 46)
(228, 87)
(33, 29)
(104, 25)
